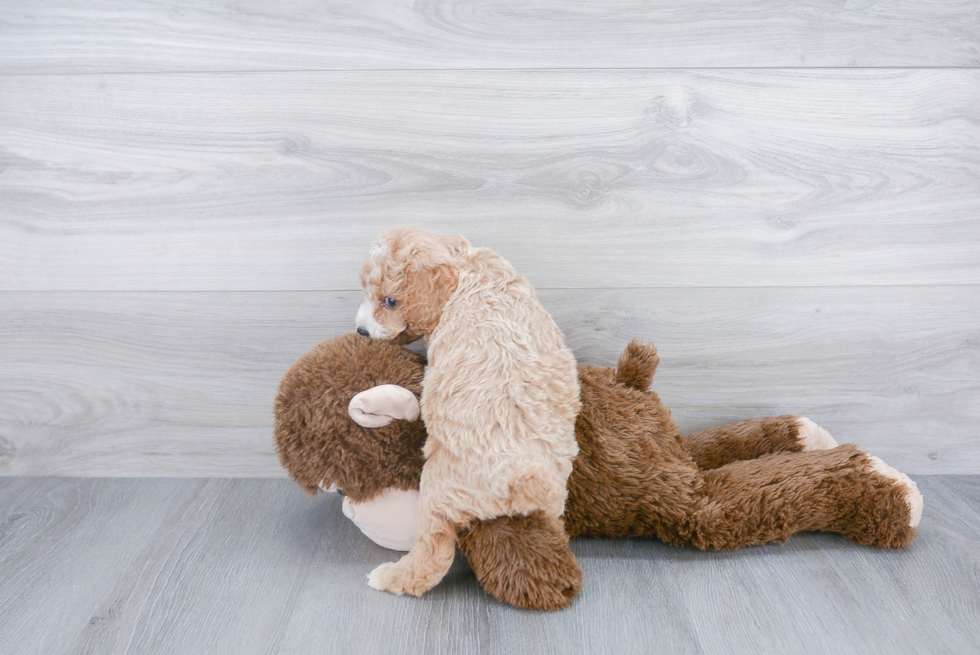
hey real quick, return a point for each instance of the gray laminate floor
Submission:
(255, 566)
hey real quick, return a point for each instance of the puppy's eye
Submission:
(390, 303)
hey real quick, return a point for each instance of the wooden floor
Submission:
(255, 566)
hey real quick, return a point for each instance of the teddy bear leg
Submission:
(880, 519)
(523, 560)
(716, 447)
(770, 498)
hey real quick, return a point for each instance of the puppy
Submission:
(499, 397)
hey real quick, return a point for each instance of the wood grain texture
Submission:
(139, 35)
(853, 604)
(582, 179)
(105, 566)
(182, 384)
(256, 566)
(62, 542)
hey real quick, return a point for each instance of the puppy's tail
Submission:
(637, 365)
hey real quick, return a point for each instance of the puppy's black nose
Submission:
(363, 331)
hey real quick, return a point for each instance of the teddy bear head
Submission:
(347, 418)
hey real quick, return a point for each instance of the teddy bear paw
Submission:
(813, 437)
(912, 496)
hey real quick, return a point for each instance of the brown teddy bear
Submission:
(347, 419)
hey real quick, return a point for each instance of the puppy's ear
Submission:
(458, 245)
(427, 289)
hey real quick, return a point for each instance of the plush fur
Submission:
(523, 560)
(499, 397)
(720, 489)
(316, 439)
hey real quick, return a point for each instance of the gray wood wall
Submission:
(786, 199)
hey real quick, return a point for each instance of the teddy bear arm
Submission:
(524, 561)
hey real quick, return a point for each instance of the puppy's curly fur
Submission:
(499, 398)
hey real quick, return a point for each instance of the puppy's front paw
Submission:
(395, 578)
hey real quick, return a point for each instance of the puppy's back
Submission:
(501, 392)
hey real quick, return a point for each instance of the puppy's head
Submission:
(407, 278)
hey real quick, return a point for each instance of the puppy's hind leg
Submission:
(425, 565)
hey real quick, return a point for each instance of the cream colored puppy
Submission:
(500, 394)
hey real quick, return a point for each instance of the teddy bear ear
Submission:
(380, 405)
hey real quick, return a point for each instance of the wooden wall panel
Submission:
(95, 36)
(785, 198)
(181, 384)
(595, 179)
